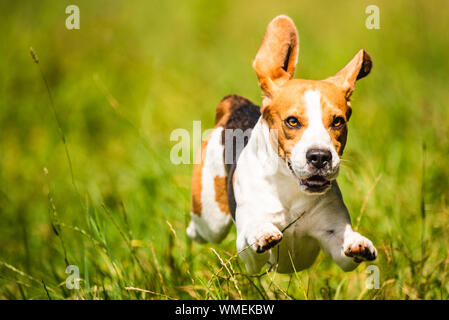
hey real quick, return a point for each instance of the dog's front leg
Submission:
(255, 236)
(346, 247)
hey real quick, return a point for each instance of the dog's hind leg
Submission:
(210, 216)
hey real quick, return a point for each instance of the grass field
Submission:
(87, 180)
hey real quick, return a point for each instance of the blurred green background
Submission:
(137, 70)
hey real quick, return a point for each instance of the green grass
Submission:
(136, 71)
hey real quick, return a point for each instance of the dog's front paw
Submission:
(359, 248)
(264, 237)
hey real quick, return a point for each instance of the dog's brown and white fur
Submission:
(283, 186)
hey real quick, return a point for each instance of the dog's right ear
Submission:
(276, 59)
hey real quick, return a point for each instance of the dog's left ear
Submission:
(276, 59)
(358, 68)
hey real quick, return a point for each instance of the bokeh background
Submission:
(98, 189)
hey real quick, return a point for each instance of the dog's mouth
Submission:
(313, 184)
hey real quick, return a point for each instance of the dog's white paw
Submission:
(360, 248)
(264, 237)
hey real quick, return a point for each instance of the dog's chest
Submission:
(297, 250)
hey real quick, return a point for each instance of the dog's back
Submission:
(213, 200)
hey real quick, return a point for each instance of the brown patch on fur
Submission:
(196, 206)
(331, 108)
(284, 104)
(221, 194)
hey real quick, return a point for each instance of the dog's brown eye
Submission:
(338, 122)
(292, 122)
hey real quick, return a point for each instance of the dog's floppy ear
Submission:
(276, 59)
(358, 68)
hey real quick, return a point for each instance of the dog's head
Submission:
(308, 118)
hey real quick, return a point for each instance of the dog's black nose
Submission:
(318, 157)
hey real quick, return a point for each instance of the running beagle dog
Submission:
(272, 169)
